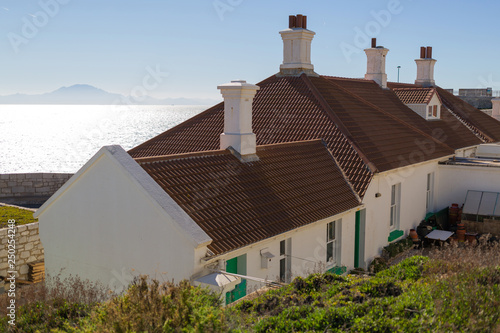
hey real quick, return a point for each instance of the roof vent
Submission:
(425, 67)
(297, 47)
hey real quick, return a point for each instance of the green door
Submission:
(237, 265)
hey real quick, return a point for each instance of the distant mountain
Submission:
(90, 95)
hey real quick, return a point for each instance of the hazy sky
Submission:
(116, 45)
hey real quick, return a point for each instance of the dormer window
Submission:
(433, 111)
(423, 101)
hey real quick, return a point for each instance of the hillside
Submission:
(90, 95)
(453, 290)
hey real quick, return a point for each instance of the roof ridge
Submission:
(390, 115)
(151, 159)
(206, 153)
(344, 78)
(338, 122)
(342, 172)
(413, 88)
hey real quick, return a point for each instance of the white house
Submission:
(298, 173)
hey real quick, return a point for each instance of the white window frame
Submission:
(394, 218)
(429, 193)
(333, 242)
(433, 111)
(286, 260)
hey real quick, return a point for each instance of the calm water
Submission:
(62, 138)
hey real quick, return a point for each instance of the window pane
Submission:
(428, 181)
(329, 251)
(435, 111)
(393, 194)
(393, 215)
(429, 112)
(282, 270)
(282, 248)
(330, 233)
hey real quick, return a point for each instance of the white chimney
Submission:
(297, 47)
(495, 113)
(238, 97)
(425, 68)
(376, 64)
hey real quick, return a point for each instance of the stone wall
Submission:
(31, 184)
(28, 249)
(485, 227)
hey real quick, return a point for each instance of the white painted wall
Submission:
(421, 109)
(308, 242)
(435, 101)
(104, 227)
(413, 181)
(455, 180)
(495, 112)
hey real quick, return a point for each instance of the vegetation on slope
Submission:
(454, 289)
(21, 216)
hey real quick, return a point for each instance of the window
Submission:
(330, 243)
(395, 198)
(285, 260)
(432, 111)
(429, 192)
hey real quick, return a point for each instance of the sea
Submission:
(62, 138)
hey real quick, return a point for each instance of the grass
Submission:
(22, 216)
(454, 289)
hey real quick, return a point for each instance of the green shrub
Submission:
(393, 249)
(150, 306)
(410, 268)
(377, 265)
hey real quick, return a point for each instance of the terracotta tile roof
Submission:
(237, 204)
(451, 131)
(366, 128)
(284, 110)
(479, 122)
(385, 139)
(415, 95)
(466, 119)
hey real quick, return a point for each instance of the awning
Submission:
(217, 279)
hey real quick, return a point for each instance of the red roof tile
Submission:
(284, 110)
(367, 129)
(415, 95)
(466, 119)
(237, 203)
(483, 125)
